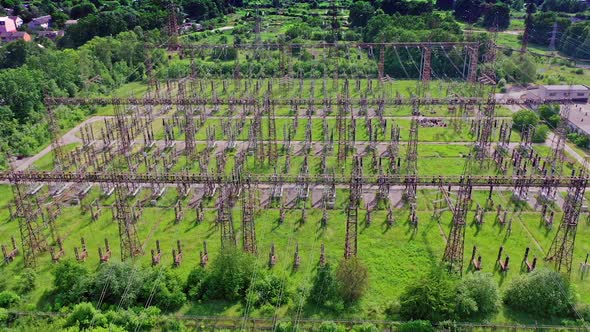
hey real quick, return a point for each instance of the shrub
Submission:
(540, 134)
(416, 326)
(85, 315)
(353, 278)
(268, 289)
(541, 293)
(524, 118)
(230, 275)
(478, 295)
(431, 297)
(579, 140)
(3, 315)
(195, 283)
(71, 283)
(367, 327)
(331, 327)
(8, 299)
(27, 281)
(163, 289)
(135, 319)
(121, 283)
(324, 290)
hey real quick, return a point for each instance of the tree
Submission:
(353, 279)
(195, 283)
(468, 10)
(541, 133)
(496, 16)
(8, 299)
(524, 119)
(268, 289)
(444, 4)
(431, 297)
(416, 326)
(71, 283)
(543, 293)
(518, 69)
(579, 139)
(163, 289)
(82, 10)
(16, 54)
(324, 289)
(478, 295)
(230, 275)
(360, 13)
(550, 114)
(118, 283)
(84, 316)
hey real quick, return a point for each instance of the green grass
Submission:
(395, 256)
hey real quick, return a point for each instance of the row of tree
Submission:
(30, 71)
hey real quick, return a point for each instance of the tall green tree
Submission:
(360, 13)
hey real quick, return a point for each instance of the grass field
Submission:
(395, 256)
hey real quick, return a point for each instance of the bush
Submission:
(8, 299)
(478, 296)
(163, 289)
(367, 327)
(331, 327)
(121, 283)
(268, 289)
(416, 326)
(523, 119)
(540, 134)
(85, 315)
(3, 315)
(324, 290)
(230, 275)
(579, 139)
(27, 281)
(71, 283)
(195, 283)
(431, 297)
(543, 293)
(144, 319)
(353, 278)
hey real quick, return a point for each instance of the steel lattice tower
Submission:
(356, 187)
(562, 248)
(412, 160)
(248, 226)
(31, 230)
(59, 157)
(172, 26)
(225, 219)
(126, 220)
(453, 255)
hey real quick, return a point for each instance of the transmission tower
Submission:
(453, 255)
(28, 214)
(350, 245)
(248, 226)
(528, 22)
(553, 37)
(172, 26)
(562, 248)
(59, 156)
(412, 160)
(225, 219)
(127, 219)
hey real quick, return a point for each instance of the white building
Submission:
(577, 92)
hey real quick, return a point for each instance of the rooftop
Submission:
(566, 87)
(580, 117)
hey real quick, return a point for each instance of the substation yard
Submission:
(400, 236)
